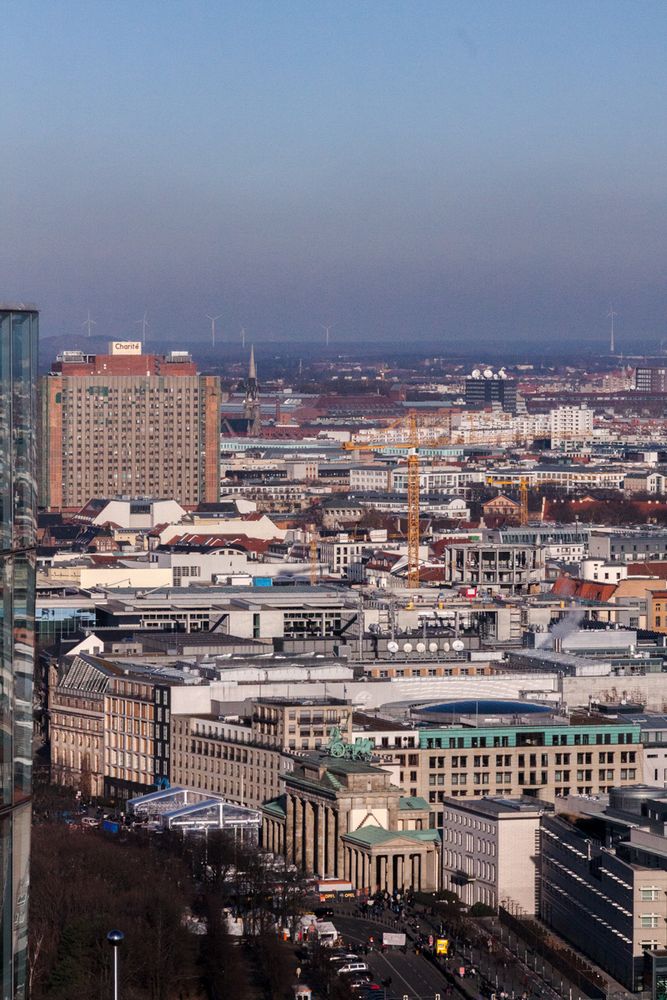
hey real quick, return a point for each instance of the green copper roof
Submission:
(412, 802)
(369, 836)
(276, 807)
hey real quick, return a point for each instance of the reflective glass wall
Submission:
(18, 374)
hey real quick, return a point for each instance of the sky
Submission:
(447, 172)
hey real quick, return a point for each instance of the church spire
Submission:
(252, 371)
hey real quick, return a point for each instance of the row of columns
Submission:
(312, 836)
(273, 835)
(382, 871)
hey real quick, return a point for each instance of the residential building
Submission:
(490, 851)
(128, 424)
(651, 378)
(570, 424)
(18, 374)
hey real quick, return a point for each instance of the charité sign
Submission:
(125, 347)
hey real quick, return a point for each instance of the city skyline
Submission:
(442, 172)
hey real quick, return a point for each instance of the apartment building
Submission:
(244, 758)
(109, 725)
(490, 851)
(128, 424)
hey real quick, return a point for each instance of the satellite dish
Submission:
(445, 646)
(421, 647)
(476, 373)
(392, 646)
(407, 647)
(488, 373)
(458, 645)
(433, 647)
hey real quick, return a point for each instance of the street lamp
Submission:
(115, 939)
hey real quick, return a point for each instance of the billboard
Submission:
(398, 940)
(125, 347)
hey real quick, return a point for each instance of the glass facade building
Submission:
(18, 374)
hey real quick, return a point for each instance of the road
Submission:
(411, 975)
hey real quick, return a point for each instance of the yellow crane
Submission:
(524, 486)
(412, 446)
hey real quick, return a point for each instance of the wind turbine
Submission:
(88, 323)
(326, 332)
(143, 322)
(611, 315)
(213, 322)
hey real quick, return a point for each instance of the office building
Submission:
(128, 424)
(18, 373)
(603, 879)
(490, 851)
(651, 378)
(485, 389)
(244, 758)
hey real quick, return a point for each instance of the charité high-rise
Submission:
(128, 424)
(18, 372)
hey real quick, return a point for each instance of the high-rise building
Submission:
(651, 378)
(18, 500)
(128, 424)
(486, 388)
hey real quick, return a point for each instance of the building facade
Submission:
(345, 819)
(245, 759)
(110, 726)
(18, 496)
(128, 425)
(490, 851)
(544, 761)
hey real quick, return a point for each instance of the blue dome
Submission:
(486, 707)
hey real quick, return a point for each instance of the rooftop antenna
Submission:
(327, 329)
(213, 320)
(88, 322)
(611, 315)
(243, 337)
(143, 322)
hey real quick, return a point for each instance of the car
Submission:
(324, 912)
(352, 966)
(90, 822)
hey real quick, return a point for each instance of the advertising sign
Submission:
(125, 347)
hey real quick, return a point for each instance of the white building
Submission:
(490, 850)
(569, 424)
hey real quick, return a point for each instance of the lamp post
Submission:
(115, 939)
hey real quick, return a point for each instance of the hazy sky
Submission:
(462, 171)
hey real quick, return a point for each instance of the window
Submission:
(648, 894)
(648, 920)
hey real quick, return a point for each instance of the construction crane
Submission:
(524, 486)
(412, 446)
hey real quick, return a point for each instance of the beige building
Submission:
(490, 851)
(109, 726)
(549, 760)
(244, 759)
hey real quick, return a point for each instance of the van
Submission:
(355, 966)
